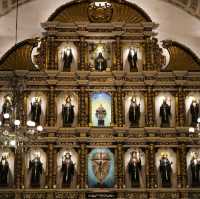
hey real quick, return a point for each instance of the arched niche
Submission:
(170, 100)
(127, 159)
(139, 101)
(98, 99)
(75, 160)
(31, 154)
(43, 102)
(171, 155)
(60, 100)
(66, 47)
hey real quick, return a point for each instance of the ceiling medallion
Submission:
(100, 12)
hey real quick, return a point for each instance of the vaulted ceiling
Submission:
(178, 19)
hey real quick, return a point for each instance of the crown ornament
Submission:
(100, 11)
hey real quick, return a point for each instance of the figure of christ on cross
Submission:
(101, 165)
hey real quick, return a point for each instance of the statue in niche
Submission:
(68, 113)
(101, 114)
(100, 62)
(67, 59)
(134, 113)
(4, 171)
(7, 107)
(36, 168)
(165, 170)
(194, 110)
(132, 59)
(68, 170)
(195, 170)
(165, 114)
(36, 110)
(134, 169)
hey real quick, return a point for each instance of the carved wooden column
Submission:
(114, 108)
(51, 114)
(181, 107)
(119, 107)
(23, 110)
(83, 107)
(54, 166)
(114, 58)
(150, 112)
(51, 53)
(120, 172)
(82, 51)
(18, 168)
(183, 165)
(119, 65)
(50, 165)
(147, 167)
(82, 172)
(148, 55)
(151, 160)
(178, 166)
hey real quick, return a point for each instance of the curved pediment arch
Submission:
(123, 11)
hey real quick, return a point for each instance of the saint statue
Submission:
(67, 59)
(132, 59)
(36, 168)
(134, 113)
(68, 170)
(165, 113)
(165, 170)
(4, 171)
(100, 62)
(68, 113)
(36, 110)
(101, 114)
(194, 110)
(134, 169)
(195, 170)
(7, 107)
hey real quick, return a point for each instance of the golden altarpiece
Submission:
(115, 103)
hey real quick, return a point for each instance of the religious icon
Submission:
(68, 170)
(36, 110)
(134, 113)
(101, 114)
(7, 108)
(132, 59)
(194, 111)
(165, 113)
(100, 62)
(67, 59)
(195, 169)
(165, 170)
(36, 169)
(4, 170)
(101, 168)
(134, 168)
(68, 113)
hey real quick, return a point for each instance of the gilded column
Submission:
(183, 154)
(120, 172)
(147, 167)
(51, 53)
(54, 166)
(82, 175)
(181, 106)
(83, 107)
(82, 51)
(119, 107)
(18, 168)
(50, 166)
(118, 55)
(152, 175)
(51, 114)
(148, 55)
(114, 58)
(150, 113)
(178, 167)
